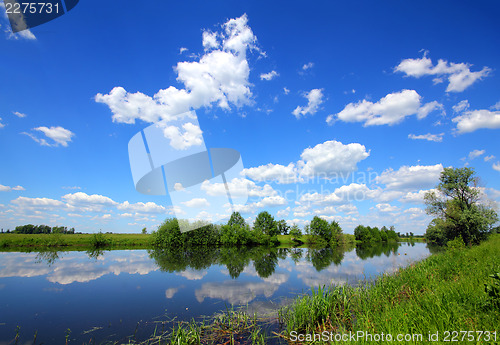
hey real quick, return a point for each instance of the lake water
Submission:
(107, 296)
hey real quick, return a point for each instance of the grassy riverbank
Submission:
(443, 293)
(412, 239)
(440, 294)
(40, 241)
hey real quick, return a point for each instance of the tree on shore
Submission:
(458, 210)
(266, 224)
(236, 219)
(330, 232)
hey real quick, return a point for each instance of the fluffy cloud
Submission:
(269, 76)
(331, 158)
(386, 208)
(411, 177)
(141, 207)
(496, 166)
(476, 153)
(416, 197)
(210, 40)
(459, 75)
(314, 100)
(238, 187)
(390, 110)
(271, 201)
(37, 203)
(429, 137)
(1, 124)
(197, 203)
(59, 135)
(342, 195)
(191, 136)
(477, 119)
(272, 172)
(8, 188)
(84, 198)
(82, 202)
(327, 160)
(283, 213)
(220, 76)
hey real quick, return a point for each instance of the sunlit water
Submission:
(103, 296)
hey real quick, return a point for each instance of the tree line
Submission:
(237, 232)
(41, 229)
(366, 234)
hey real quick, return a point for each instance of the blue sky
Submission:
(346, 110)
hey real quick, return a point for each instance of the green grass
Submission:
(72, 240)
(414, 239)
(444, 292)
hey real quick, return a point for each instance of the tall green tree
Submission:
(236, 219)
(321, 228)
(456, 203)
(266, 224)
(283, 227)
(336, 232)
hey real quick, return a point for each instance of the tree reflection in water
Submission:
(236, 259)
(47, 256)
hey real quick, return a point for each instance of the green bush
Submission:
(456, 244)
(99, 240)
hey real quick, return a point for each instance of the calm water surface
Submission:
(103, 296)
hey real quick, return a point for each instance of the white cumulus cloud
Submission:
(219, 77)
(331, 157)
(459, 75)
(59, 135)
(314, 100)
(141, 207)
(411, 177)
(389, 110)
(473, 120)
(197, 203)
(476, 153)
(272, 172)
(269, 76)
(191, 136)
(8, 188)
